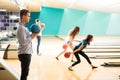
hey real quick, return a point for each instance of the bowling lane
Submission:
(46, 67)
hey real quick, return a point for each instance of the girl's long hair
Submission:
(74, 32)
(88, 38)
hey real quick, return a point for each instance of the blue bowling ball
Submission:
(35, 28)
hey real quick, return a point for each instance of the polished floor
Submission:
(46, 67)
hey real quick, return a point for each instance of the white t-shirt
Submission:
(40, 33)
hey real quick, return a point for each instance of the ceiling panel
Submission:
(29, 4)
(6, 4)
(87, 5)
(109, 6)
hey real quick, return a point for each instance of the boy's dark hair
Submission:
(37, 20)
(24, 12)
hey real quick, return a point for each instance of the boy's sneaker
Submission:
(70, 69)
(57, 58)
(94, 67)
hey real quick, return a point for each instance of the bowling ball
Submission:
(65, 46)
(42, 25)
(67, 54)
(35, 28)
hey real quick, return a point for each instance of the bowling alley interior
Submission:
(59, 38)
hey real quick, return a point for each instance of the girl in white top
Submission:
(70, 38)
